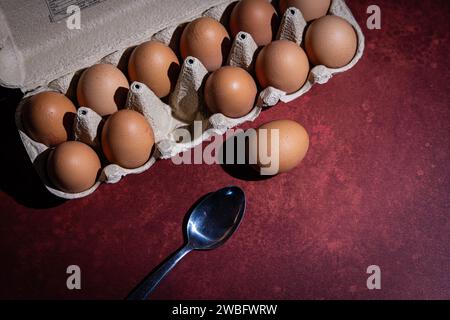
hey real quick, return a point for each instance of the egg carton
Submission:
(186, 102)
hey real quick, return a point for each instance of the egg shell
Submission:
(73, 167)
(331, 41)
(207, 40)
(156, 65)
(283, 65)
(231, 91)
(103, 88)
(127, 139)
(256, 17)
(48, 118)
(292, 145)
(310, 9)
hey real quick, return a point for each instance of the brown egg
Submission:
(256, 17)
(231, 91)
(103, 88)
(207, 40)
(292, 145)
(127, 139)
(156, 65)
(73, 167)
(331, 41)
(283, 65)
(311, 9)
(48, 118)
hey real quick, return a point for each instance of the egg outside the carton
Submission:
(230, 91)
(207, 40)
(331, 41)
(256, 17)
(48, 118)
(103, 88)
(283, 65)
(290, 140)
(156, 65)
(310, 9)
(73, 167)
(127, 139)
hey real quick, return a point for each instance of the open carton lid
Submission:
(37, 46)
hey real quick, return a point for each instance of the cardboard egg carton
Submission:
(186, 102)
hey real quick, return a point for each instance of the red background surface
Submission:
(373, 189)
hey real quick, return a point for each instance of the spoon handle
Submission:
(151, 282)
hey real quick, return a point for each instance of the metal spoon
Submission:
(210, 224)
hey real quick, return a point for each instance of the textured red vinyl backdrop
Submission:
(373, 189)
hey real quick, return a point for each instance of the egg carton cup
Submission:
(186, 104)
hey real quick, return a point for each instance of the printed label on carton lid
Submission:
(58, 8)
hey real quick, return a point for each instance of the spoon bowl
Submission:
(216, 218)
